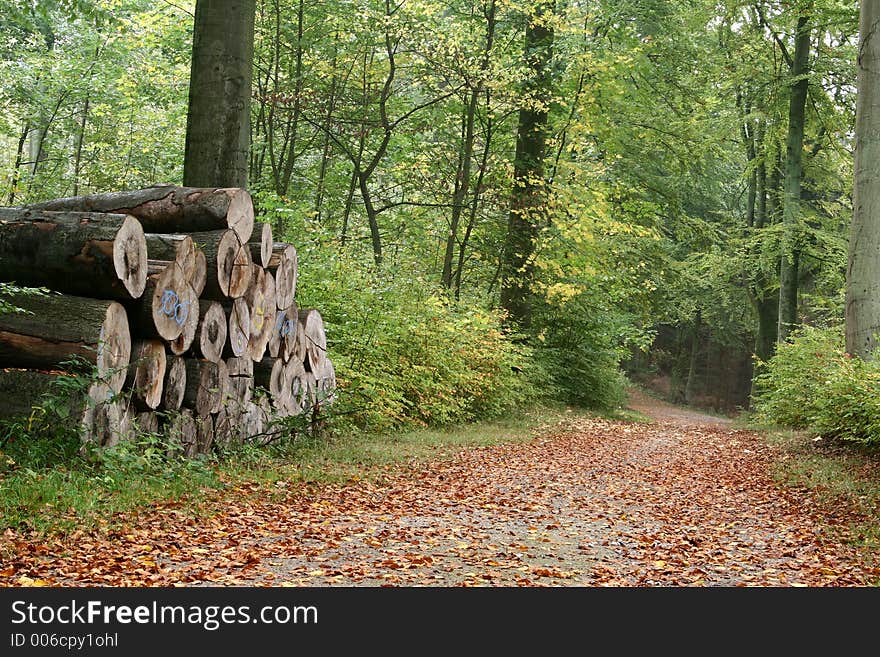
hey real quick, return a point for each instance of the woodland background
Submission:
(693, 154)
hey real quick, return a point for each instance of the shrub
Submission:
(406, 355)
(812, 383)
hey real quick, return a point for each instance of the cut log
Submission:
(175, 383)
(302, 397)
(182, 250)
(228, 264)
(282, 340)
(146, 373)
(204, 436)
(224, 431)
(55, 328)
(147, 422)
(182, 343)
(156, 267)
(91, 255)
(211, 332)
(272, 375)
(243, 366)
(112, 424)
(169, 302)
(283, 266)
(300, 343)
(241, 381)
(171, 209)
(200, 272)
(315, 339)
(261, 244)
(261, 303)
(293, 400)
(206, 383)
(178, 248)
(325, 383)
(25, 394)
(238, 328)
(252, 423)
(181, 432)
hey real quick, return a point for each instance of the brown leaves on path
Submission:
(676, 503)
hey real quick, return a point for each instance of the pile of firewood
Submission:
(181, 302)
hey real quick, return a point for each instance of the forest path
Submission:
(684, 500)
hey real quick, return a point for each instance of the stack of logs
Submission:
(184, 305)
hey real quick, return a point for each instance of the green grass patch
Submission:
(838, 475)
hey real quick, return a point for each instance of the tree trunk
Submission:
(690, 385)
(238, 328)
(167, 305)
(284, 267)
(261, 244)
(171, 209)
(16, 167)
(211, 332)
(529, 196)
(282, 341)
(788, 270)
(228, 263)
(56, 328)
(218, 117)
(94, 255)
(146, 373)
(863, 270)
(175, 383)
(315, 339)
(206, 384)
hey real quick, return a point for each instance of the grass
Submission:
(48, 488)
(840, 476)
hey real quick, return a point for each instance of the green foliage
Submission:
(12, 290)
(403, 353)
(51, 478)
(812, 383)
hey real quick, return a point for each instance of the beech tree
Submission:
(218, 120)
(863, 270)
(529, 196)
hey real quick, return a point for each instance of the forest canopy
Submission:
(494, 201)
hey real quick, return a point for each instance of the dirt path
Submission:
(685, 500)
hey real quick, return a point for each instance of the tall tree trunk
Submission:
(528, 202)
(325, 147)
(462, 186)
(691, 384)
(16, 168)
(475, 202)
(218, 120)
(747, 129)
(863, 270)
(788, 269)
(766, 304)
(80, 139)
(290, 140)
(463, 174)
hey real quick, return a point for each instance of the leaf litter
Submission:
(683, 501)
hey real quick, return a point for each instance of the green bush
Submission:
(406, 355)
(812, 383)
